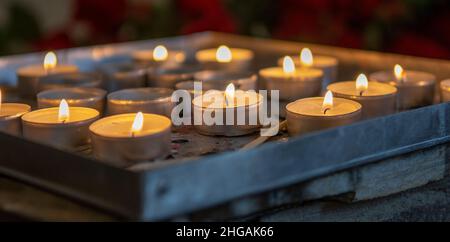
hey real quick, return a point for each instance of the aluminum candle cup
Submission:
(75, 97)
(219, 80)
(213, 102)
(445, 90)
(328, 64)
(10, 114)
(377, 99)
(119, 76)
(28, 77)
(115, 142)
(46, 126)
(216, 79)
(415, 88)
(292, 86)
(159, 56)
(70, 80)
(169, 77)
(224, 58)
(147, 100)
(292, 83)
(307, 115)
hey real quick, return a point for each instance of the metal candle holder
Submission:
(242, 60)
(11, 123)
(416, 90)
(234, 129)
(219, 79)
(28, 77)
(68, 136)
(145, 57)
(75, 97)
(148, 100)
(328, 64)
(169, 77)
(299, 124)
(127, 150)
(445, 90)
(81, 79)
(117, 76)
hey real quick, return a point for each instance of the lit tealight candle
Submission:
(292, 83)
(376, 98)
(160, 55)
(317, 113)
(328, 64)
(28, 77)
(445, 90)
(415, 88)
(129, 138)
(10, 114)
(225, 58)
(223, 107)
(63, 127)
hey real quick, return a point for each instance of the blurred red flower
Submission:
(104, 16)
(59, 40)
(204, 15)
(411, 43)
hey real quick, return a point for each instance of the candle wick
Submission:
(325, 110)
(132, 134)
(361, 92)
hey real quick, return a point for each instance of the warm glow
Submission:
(328, 100)
(306, 57)
(138, 123)
(50, 60)
(398, 72)
(229, 93)
(223, 54)
(288, 65)
(63, 114)
(160, 53)
(362, 83)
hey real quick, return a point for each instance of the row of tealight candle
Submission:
(139, 129)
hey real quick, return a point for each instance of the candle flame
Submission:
(63, 114)
(288, 65)
(50, 60)
(328, 100)
(223, 54)
(398, 72)
(306, 57)
(138, 123)
(229, 93)
(160, 53)
(362, 84)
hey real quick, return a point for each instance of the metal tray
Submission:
(204, 172)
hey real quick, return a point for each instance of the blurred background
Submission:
(414, 27)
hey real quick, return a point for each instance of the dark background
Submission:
(415, 27)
